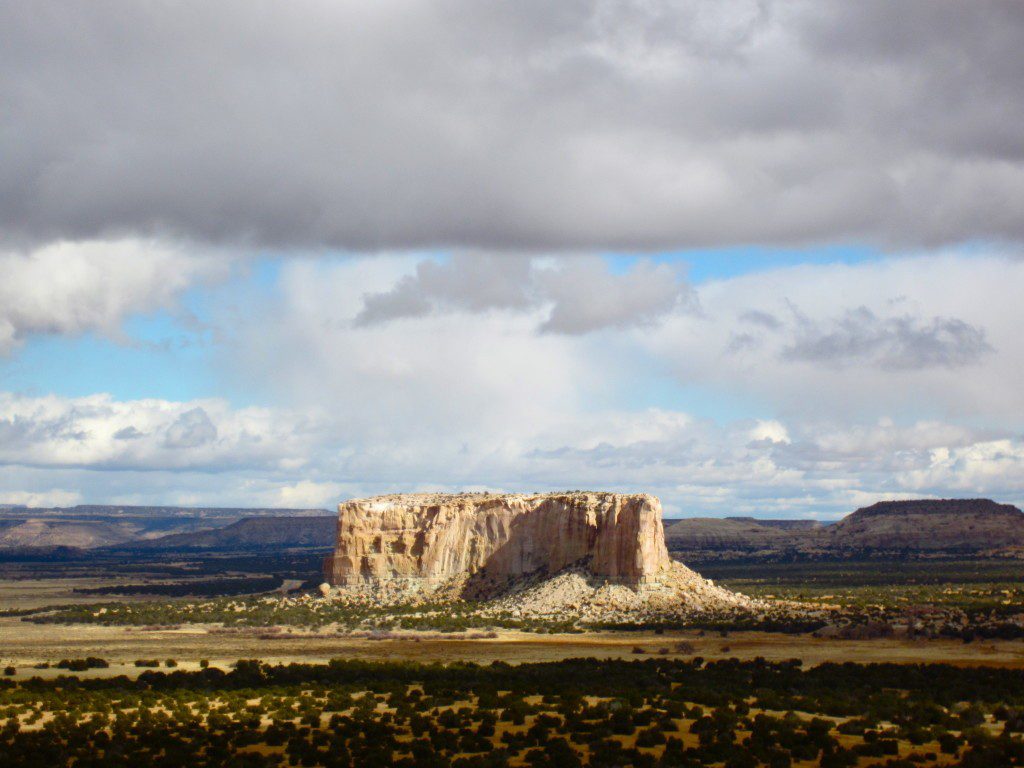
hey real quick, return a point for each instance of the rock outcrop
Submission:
(432, 539)
(597, 556)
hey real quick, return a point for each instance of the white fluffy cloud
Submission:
(76, 287)
(697, 466)
(55, 497)
(100, 432)
(475, 392)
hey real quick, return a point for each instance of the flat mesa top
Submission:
(455, 498)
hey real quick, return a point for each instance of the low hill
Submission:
(782, 524)
(719, 533)
(737, 535)
(253, 533)
(42, 533)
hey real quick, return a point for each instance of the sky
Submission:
(757, 258)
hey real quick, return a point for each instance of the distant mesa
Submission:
(952, 526)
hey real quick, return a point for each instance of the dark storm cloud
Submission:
(527, 125)
(894, 343)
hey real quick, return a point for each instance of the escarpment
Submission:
(434, 538)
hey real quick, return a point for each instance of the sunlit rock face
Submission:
(434, 539)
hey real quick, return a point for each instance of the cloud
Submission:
(100, 432)
(190, 429)
(929, 334)
(307, 494)
(77, 287)
(772, 431)
(55, 497)
(972, 468)
(478, 395)
(582, 294)
(587, 298)
(893, 343)
(697, 466)
(761, 318)
(540, 126)
(468, 282)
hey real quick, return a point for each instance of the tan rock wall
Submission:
(435, 538)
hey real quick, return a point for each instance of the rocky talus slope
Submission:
(594, 555)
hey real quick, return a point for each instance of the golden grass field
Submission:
(23, 644)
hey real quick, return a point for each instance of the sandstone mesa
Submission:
(590, 553)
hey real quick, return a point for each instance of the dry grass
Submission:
(24, 643)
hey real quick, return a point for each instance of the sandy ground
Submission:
(20, 594)
(23, 644)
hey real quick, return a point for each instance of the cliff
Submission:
(429, 540)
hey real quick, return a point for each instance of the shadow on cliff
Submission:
(486, 584)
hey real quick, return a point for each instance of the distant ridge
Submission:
(782, 524)
(906, 527)
(253, 533)
(127, 510)
(741, 534)
(91, 526)
(42, 533)
(953, 526)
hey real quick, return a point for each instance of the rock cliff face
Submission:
(429, 540)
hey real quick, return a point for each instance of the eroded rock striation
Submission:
(599, 545)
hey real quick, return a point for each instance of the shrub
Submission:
(80, 665)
